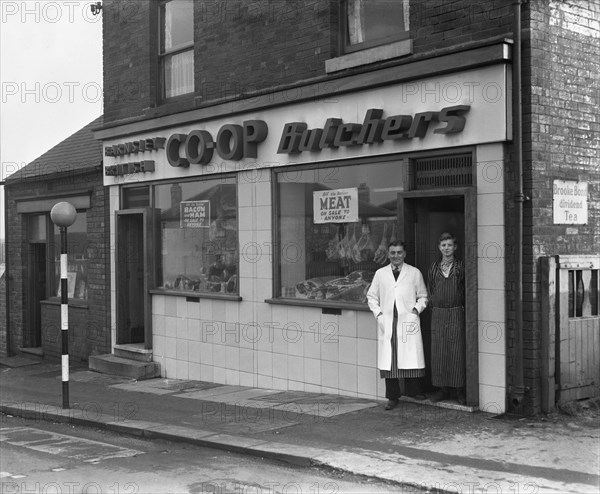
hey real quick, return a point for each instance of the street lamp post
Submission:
(63, 215)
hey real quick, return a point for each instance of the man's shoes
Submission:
(418, 396)
(391, 404)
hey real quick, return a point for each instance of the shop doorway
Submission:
(37, 270)
(133, 279)
(425, 215)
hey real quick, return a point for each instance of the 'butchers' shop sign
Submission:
(297, 137)
(335, 206)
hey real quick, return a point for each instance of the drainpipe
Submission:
(518, 389)
(6, 265)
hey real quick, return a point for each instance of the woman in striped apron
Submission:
(446, 286)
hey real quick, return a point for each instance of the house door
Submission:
(133, 279)
(425, 217)
(36, 293)
(36, 283)
(570, 327)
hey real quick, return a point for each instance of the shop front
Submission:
(246, 241)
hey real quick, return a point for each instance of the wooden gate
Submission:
(570, 329)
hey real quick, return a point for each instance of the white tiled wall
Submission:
(294, 348)
(491, 278)
(113, 194)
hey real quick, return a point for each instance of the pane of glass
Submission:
(579, 294)
(77, 257)
(571, 293)
(334, 258)
(136, 197)
(179, 73)
(199, 239)
(373, 20)
(37, 227)
(178, 23)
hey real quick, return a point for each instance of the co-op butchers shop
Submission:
(247, 234)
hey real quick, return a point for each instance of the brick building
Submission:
(229, 126)
(71, 171)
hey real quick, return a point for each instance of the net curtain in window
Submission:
(356, 25)
(376, 21)
(178, 31)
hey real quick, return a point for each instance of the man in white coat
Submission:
(396, 297)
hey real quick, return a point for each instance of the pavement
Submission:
(416, 447)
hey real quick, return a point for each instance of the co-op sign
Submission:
(235, 142)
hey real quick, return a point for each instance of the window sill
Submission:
(321, 304)
(174, 105)
(370, 55)
(73, 303)
(197, 295)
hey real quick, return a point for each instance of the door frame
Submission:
(148, 262)
(469, 195)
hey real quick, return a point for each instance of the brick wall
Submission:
(439, 24)
(129, 58)
(240, 47)
(89, 325)
(15, 273)
(246, 47)
(561, 140)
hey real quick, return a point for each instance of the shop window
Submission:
(136, 197)
(176, 51)
(333, 233)
(368, 23)
(199, 236)
(77, 258)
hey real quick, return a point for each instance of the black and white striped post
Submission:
(63, 215)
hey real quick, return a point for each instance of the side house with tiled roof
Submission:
(70, 171)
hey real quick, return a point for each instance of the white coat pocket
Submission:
(410, 325)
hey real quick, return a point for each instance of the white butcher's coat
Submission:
(409, 291)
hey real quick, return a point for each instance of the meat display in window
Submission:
(380, 255)
(333, 252)
(365, 247)
(313, 289)
(393, 237)
(350, 247)
(351, 288)
(344, 243)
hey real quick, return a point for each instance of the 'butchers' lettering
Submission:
(297, 137)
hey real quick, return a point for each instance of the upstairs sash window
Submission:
(368, 23)
(177, 47)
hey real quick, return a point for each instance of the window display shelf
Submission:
(190, 294)
(324, 304)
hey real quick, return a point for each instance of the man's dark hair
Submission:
(396, 243)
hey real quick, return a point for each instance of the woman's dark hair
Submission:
(447, 236)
